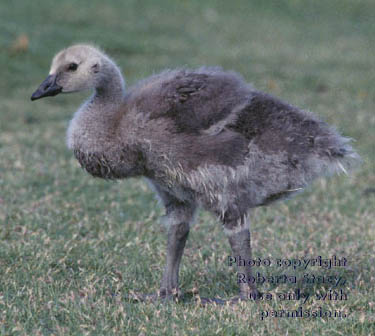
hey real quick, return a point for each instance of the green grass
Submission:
(72, 247)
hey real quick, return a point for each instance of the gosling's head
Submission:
(79, 67)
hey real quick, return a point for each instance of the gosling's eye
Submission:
(72, 66)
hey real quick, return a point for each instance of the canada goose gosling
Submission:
(203, 138)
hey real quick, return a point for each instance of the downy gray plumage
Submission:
(203, 138)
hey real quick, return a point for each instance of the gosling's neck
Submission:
(94, 126)
(110, 89)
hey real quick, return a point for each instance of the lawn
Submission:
(72, 247)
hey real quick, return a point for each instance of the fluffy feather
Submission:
(201, 137)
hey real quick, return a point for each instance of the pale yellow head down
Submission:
(78, 67)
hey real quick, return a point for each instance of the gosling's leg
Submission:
(238, 233)
(240, 243)
(177, 237)
(178, 219)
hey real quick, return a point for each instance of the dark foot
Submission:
(206, 301)
(161, 296)
(254, 296)
(250, 294)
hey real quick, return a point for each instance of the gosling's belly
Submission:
(107, 165)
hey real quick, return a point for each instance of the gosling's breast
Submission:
(111, 165)
(98, 164)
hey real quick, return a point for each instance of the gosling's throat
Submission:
(111, 86)
(95, 124)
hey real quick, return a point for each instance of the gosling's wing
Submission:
(186, 111)
(193, 99)
(200, 100)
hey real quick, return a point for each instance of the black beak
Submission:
(47, 88)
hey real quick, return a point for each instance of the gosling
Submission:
(203, 138)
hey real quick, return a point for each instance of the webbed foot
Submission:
(254, 295)
(162, 295)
